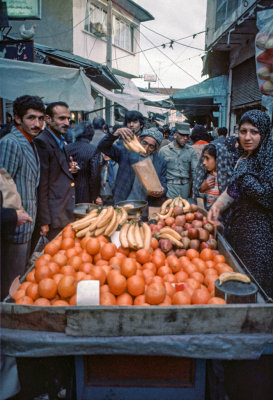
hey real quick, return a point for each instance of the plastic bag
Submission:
(264, 52)
(147, 175)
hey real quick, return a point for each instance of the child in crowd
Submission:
(212, 173)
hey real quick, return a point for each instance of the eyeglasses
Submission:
(151, 146)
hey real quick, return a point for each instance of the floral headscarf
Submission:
(259, 164)
(224, 169)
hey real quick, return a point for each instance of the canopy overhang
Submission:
(50, 82)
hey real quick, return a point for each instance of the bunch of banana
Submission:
(168, 206)
(100, 222)
(168, 233)
(134, 145)
(135, 235)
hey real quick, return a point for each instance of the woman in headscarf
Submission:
(213, 173)
(249, 196)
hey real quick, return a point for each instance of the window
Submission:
(224, 10)
(123, 34)
(95, 20)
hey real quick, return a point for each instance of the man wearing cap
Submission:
(181, 162)
(127, 185)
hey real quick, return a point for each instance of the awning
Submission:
(203, 98)
(127, 101)
(52, 83)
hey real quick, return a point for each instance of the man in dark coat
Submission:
(127, 185)
(56, 192)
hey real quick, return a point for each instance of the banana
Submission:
(233, 276)
(100, 231)
(138, 237)
(165, 205)
(186, 205)
(170, 231)
(115, 227)
(123, 236)
(131, 236)
(90, 216)
(112, 223)
(82, 232)
(164, 235)
(141, 230)
(105, 218)
(88, 234)
(84, 224)
(147, 236)
(180, 202)
(169, 213)
(124, 217)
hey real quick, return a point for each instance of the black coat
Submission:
(56, 191)
(82, 151)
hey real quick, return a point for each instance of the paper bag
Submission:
(147, 175)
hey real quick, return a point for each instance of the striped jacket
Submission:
(18, 159)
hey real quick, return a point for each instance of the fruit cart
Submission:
(142, 352)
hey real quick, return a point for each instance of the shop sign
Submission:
(21, 50)
(24, 9)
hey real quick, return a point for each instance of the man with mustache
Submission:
(19, 157)
(56, 192)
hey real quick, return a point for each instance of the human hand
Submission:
(207, 184)
(22, 217)
(44, 230)
(213, 215)
(157, 194)
(99, 200)
(74, 167)
(125, 133)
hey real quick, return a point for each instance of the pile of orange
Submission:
(126, 277)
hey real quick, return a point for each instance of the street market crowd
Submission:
(48, 165)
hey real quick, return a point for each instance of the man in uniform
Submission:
(181, 162)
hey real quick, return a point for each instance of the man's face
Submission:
(60, 121)
(32, 122)
(149, 144)
(134, 126)
(180, 140)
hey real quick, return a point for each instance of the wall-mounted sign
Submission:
(21, 50)
(24, 9)
(150, 78)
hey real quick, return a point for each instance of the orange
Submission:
(206, 255)
(73, 300)
(192, 253)
(210, 264)
(190, 268)
(104, 288)
(99, 274)
(47, 288)
(67, 286)
(60, 259)
(181, 298)
(135, 285)
(108, 250)
(54, 267)
(19, 293)
(123, 251)
(117, 283)
(154, 243)
(155, 293)
(71, 252)
(52, 247)
(67, 243)
(67, 270)
(200, 264)
(149, 265)
(42, 301)
(197, 276)
(124, 299)
(183, 261)
(32, 291)
(75, 262)
(173, 263)
(86, 257)
(148, 275)
(192, 283)
(25, 300)
(166, 302)
(164, 270)
(42, 272)
(86, 267)
(107, 299)
(84, 241)
(216, 300)
(92, 246)
(181, 276)
(223, 267)
(170, 289)
(200, 296)
(24, 285)
(143, 256)
(139, 300)
(102, 263)
(80, 276)
(219, 258)
(57, 277)
(60, 303)
(128, 267)
(169, 278)
(158, 258)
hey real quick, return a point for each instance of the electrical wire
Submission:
(178, 66)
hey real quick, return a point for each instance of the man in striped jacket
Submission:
(20, 159)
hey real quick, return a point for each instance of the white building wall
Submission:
(87, 45)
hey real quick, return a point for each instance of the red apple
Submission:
(205, 245)
(198, 215)
(186, 242)
(178, 229)
(165, 245)
(213, 243)
(184, 233)
(195, 244)
(203, 234)
(178, 211)
(193, 233)
(180, 252)
(208, 227)
(194, 207)
(187, 226)
(169, 221)
(196, 223)
(189, 217)
(180, 220)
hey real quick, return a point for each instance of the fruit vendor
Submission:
(127, 185)
(181, 162)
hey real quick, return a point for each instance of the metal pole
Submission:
(108, 113)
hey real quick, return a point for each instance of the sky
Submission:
(174, 19)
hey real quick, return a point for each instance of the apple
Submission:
(193, 233)
(196, 223)
(208, 227)
(195, 244)
(184, 233)
(186, 242)
(180, 220)
(203, 234)
(169, 221)
(213, 243)
(180, 252)
(194, 207)
(170, 253)
(198, 215)
(205, 245)
(189, 217)
(178, 211)
(178, 229)
(187, 226)
(165, 245)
